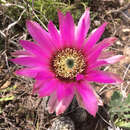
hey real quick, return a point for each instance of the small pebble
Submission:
(97, 23)
(62, 123)
(121, 2)
(119, 43)
(127, 50)
(126, 30)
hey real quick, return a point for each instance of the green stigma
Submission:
(70, 63)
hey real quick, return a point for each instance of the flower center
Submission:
(67, 63)
(70, 63)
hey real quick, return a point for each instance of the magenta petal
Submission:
(94, 37)
(45, 74)
(96, 64)
(94, 56)
(61, 19)
(79, 77)
(56, 39)
(40, 35)
(88, 97)
(83, 27)
(47, 88)
(64, 90)
(37, 85)
(103, 44)
(33, 48)
(61, 91)
(27, 61)
(107, 54)
(28, 72)
(59, 106)
(21, 53)
(52, 103)
(99, 100)
(63, 104)
(67, 29)
(95, 53)
(102, 77)
(113, 59)
(97, 50)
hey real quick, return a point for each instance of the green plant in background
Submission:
(6, 98)
(120, 110)
(47, 10)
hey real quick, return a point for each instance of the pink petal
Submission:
(64, 89)
(45, 74)
(79, 99)
(103, 44)
(21, 53)
(47, 88)
(52, 103)
(96, 64)
(60, 106)
(63, 104)
(97, 50)
(67, 28)
(103, 62)
(94, 37)
(37, 85)
(83, 27)
(60, 91)
(61, 19)
(28, 72)
(94, 56)
(56, 39)
(99, 100)
(106, 42)
(104, 55)
(33, 48)
(102, 77)
(88, 98)
(113, 59)
(79, 77)
(28, 61)
(40, 35)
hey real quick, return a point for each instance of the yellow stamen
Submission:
(68, 62)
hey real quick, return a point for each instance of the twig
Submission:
(107, 89)
(36, 16)
(104, 120)
(2, 34)
(14, 23)
(128, 18)
(126, 71)
(40, 21)
(7, 120)
(102, 88)
(7, 64)
(9, 4)
(119, 10)
(123, 91)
